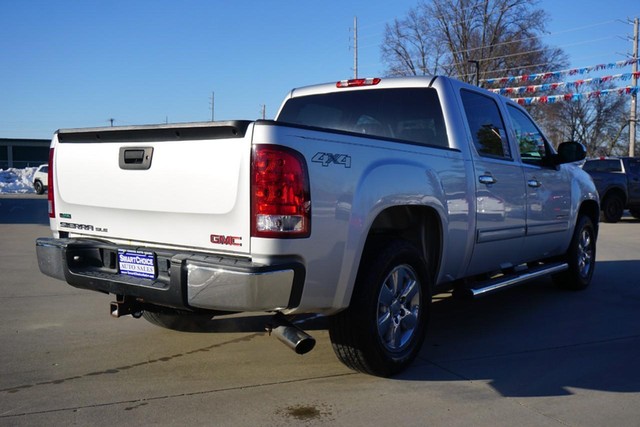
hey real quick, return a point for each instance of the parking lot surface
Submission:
(529, 356)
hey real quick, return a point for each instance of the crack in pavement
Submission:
(116, 370)
(132, 404)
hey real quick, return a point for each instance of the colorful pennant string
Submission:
(558, 74)
(551, 99)
(519, 90)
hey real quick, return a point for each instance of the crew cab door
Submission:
(548, 189)
(500, 188)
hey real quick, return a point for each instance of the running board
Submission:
(502, 282)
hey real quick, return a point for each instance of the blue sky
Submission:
(67, 63)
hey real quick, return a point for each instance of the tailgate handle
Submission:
(136, 158)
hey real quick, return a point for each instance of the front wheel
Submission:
(581, 257)
(383, 328)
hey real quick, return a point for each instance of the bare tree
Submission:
(442, 36)
(598, 122)
(411, 47)
(503, 36)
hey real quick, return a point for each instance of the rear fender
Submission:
(385, 185)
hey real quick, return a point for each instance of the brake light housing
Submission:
(50, 184)
(280, 197)
(372, 81)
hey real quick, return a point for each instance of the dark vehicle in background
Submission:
(618, 183)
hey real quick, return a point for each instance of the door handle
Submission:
(534, 183)
(487, 179)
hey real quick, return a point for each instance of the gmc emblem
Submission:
(219, 239)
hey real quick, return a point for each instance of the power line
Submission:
(542, 36)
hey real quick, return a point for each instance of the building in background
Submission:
(23, 153)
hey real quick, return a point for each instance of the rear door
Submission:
(500, 188)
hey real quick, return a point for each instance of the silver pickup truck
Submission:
(360, 201)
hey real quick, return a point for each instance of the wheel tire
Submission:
(612, 208)
(180, 320)
(382, 330)
(581, 257)
(635, 213)
(37, 185)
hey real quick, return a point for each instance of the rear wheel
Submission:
(180, 320)
(383, 329)
(581, 257)
(612, 208)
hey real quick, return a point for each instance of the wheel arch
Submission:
(618, 191)
(591, 209)
(419, 225)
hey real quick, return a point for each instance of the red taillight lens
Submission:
(50, 198)
(280, 202)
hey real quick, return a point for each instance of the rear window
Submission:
(407, 114)
(612, 165)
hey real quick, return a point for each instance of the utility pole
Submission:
(112, 120)
(263, 111)
(634, 96)
(213, 100)
(355, 47)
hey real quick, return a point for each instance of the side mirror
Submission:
(571, 151)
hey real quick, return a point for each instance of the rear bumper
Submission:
(184, 280)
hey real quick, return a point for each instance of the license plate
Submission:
(137, 263)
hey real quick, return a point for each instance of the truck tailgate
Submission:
(187, 184)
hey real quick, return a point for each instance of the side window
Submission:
(634, 166)
(486, 125)
(530, 141)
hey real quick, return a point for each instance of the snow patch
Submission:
(17, 180)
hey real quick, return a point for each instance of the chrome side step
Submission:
(492, 285)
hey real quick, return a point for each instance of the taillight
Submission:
(52, 205)
(358, 82)
(280, 201)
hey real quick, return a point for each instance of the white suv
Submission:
(41, 178)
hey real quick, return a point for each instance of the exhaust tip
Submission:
(296, 339)
(292, 336)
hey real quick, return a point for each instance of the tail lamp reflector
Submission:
(281, 206)
(50, 184)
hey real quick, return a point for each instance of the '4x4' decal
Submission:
(328, 158)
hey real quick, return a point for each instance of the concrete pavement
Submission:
(530, 356)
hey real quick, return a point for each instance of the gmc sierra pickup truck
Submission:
(618, 183)
(360, 201)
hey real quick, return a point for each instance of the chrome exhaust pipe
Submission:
(294, 337)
